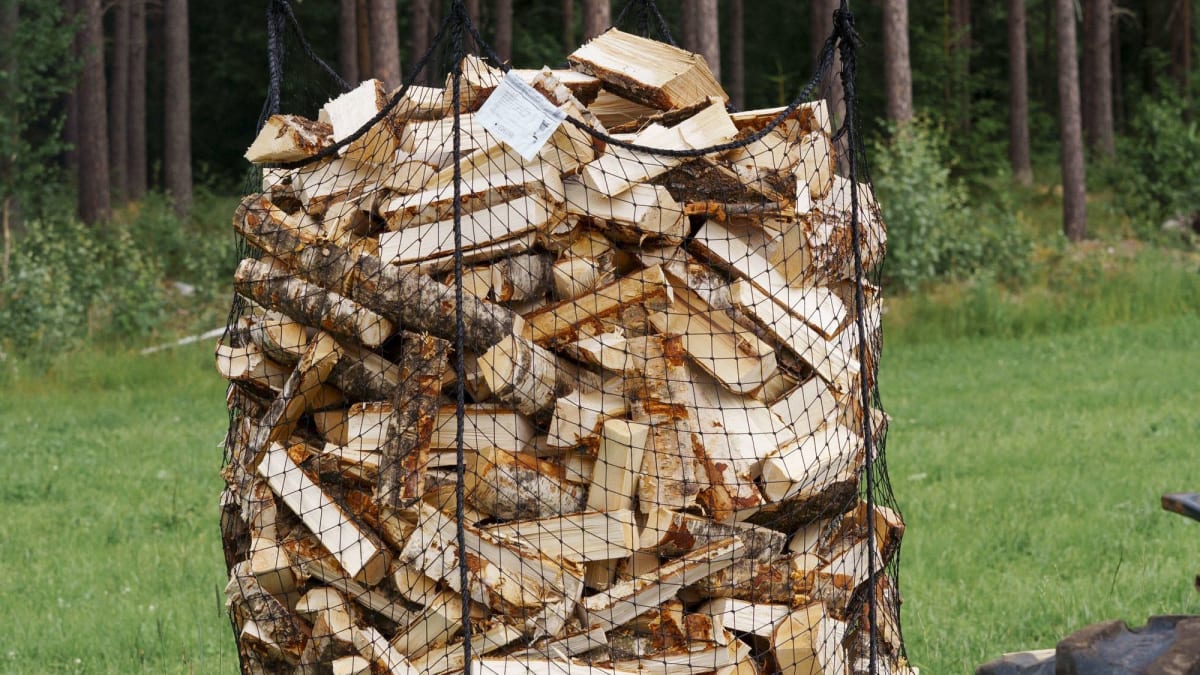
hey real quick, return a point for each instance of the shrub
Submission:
(1155, 178)
(933, 229)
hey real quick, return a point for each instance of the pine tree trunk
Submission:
(961, 50)
(135, 174)
(691, 39)
(362, 17)
(708, 34)
(118, 101)
(1018, 95)
(1096, 100)
(385, 42)
(348, 40)
(1074, 194)
(504, 29)
(420, 30)
(1181, 47)
(177, 148)
(597, 17)
(10, 16)
(71, 99)
(568, 26)
(898, 73)
(737, 53)
(1118, 84)
(93, 118)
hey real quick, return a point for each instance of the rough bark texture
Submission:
(363, 28)
(568, 26)
(135, 174)
(1074, 194)
(597, 17)
(177, 152)
(1018, 95)
(348, 40)
(385, 42)
(1097, 76)
(421, 27)
(708, 34)
(92, 128)
(405, 450)
(118, 101)
(737, 54)
(898, 69)
(503, 13)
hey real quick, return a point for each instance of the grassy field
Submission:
(1029, 472)
(1029, 468)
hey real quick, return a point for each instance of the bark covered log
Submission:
(405, 450)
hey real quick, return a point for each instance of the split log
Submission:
(671, 534)
(578, 418)
(249, 364)
(514, 485)
(620, 168)
(627, 600)
(483, 426)
(357, 551)
(576, 275)
(618, 463)
(780, 580)
(289, 138)
(522, 277)
(646, 71)
(745, 617)
(808, 407)
(319, 185)
(452, 657)
(351, 665)
(616, 111)
(564, 322)
(821, 247)
(354, 109)
(301, 392)
(643, 212)
(433, 627)
(273, 570)
(809, 465)
(331, 614)
(809, 642)
(809, 117)
(577, 642)
(510, 578)
(264, 621)
(274, 286)
(581, 537)
(476, 192)
(372, 645)
(705, 180)
(314, 561)
(405, 450)
(521, 373)
(510, 665)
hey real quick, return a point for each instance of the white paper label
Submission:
(518, 115)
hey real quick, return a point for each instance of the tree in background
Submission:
(118, 101)
(92, 124)
(958, 50)
(708, 33)
(1097, 77)
(897, 67)
(1070, 124)
(385, 42)
(1018, 95)
(420, 29)
(348, 40)
(135, 137)
(737, 54)
(362, 19)
(597, 17)
(568, 26)
(177, 125)
(502, 11)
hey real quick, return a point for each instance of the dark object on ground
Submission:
(1166, 645)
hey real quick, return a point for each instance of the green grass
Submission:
(1030, 472)
(110, 554)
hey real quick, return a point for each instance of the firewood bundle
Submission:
(610, 423)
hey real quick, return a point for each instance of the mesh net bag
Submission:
(555, 371)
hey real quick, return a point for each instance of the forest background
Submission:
(1035, 161)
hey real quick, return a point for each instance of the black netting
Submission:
(551, 371)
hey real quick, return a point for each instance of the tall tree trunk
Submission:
(118, 101)
(691, 37)
(960, 49)
(420, 31)
(898, 69)
(1074, 194)
(348, 40)
(177, 149)
(362, 16)
(385, 42)
(71, 100)
(597, 17)
(1018, 95)
(568, 26)
(1118, 87)
(10, 16)
(708, 34)
(1096, 98)
(737, 53)
(503, 10)
(135, 174)
(93, 118)
(1181, 47)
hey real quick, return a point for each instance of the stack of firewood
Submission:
(662, 433)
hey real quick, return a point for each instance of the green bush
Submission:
(1155, 178)
(934, 231)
